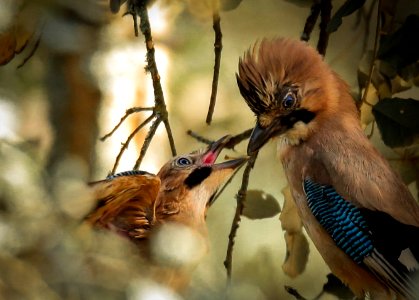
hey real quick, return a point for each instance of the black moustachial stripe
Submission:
(297, 115)
(197, 176)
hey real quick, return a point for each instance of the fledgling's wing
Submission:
(370, 238)
(125, 203)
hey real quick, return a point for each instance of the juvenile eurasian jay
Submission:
(136, 204)
(356, 209)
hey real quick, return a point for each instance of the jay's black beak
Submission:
(260, 136)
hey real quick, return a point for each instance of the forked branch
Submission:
(128, 112)
(160, 114)
(130, 137)
(311, 21)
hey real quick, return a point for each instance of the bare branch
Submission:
(325, 13)
(170, 136)
(147, 142)
(127, 113)
(132, 11)
(225, 185)
(199, 138)
(311, 21)
(35, 47)
(241, 198)
(160, 114)
(235, 140)
(369, 136)
(125, 145)
(238, 138)
(218, 46)
(160, 104)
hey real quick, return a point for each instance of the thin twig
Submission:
(311, 21)
(374, 54)
(160, 104)
(127, 113)
(147, 142)
(241, 198)
(238, 138)
(160, 114)
(225, 185)
(372, 130)
(170, 136)
(132, 11)
(35, 47)
(292, 291)
(218, 46)
(325, 13)
(199, 138)
(235, 139)
(125, 145)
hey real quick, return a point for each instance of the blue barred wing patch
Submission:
(128, 173)
(341, 219)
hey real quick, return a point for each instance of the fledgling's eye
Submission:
(183, 161)
(288, 101)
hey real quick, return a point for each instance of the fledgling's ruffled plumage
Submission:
(333, 169)
(136, 204)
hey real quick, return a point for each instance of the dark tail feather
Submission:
(400, 281)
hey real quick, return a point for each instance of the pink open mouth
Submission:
(214, 150)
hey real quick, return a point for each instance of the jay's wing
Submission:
(125, 203)
(390, 249)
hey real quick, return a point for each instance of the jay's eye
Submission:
(183, 161)
(288, 101)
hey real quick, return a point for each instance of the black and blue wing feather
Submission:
(365, 235)
(341, 219)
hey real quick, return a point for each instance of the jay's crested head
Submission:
(287, 85)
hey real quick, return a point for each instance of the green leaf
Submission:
(345, 10)
(397, 120)
(401, 48)
(260, 205)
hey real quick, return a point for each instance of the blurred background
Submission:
(85, 67)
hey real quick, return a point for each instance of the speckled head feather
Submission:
(270, 65)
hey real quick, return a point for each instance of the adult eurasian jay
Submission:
(356, 209)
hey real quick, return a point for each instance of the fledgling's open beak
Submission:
(213, 151)
(260, 136)
(210, 175)
(209, 157)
